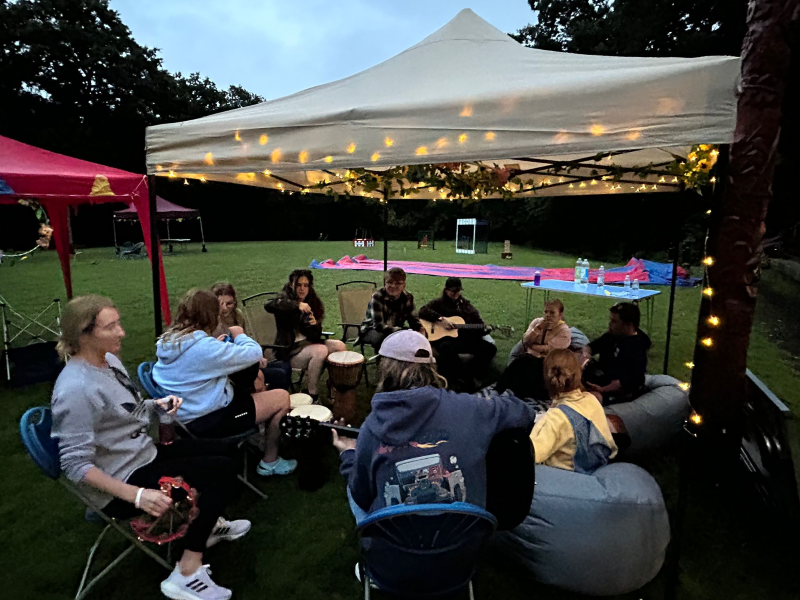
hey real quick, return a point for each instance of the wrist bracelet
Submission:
(138, 497)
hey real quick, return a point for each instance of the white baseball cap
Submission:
(407, 346)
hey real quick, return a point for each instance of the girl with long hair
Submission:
(574, 433)
(298, 316)
(229, 313)
(216, 379)
(100, 422)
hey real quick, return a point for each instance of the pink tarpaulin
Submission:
(644, 271)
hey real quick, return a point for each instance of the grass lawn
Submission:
(303, 545)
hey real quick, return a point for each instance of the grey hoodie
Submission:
(98, 422)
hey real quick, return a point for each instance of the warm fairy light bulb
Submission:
(583, 184)
(351, 148)
(280, 186)
(267, 172)
(708, 261)
(376, 156)
(202, 179)
(328, 159)
(695, 418)
(684, 386)
(172, 174)
(388, 142)
(209, 159)
(421, 151)
(690, 364)
(185, 182)
(707, 342)
(708, 292)
(708, 212)
(263, 139)
(662, 180)
(571, 186)
(276, 155)
(713, 180)
(594, 182)
(490, 135)
(236, 137)
(303, 157)
(713, 321)
(462, 138)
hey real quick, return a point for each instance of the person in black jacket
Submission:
(618, 374)
(298, 316)
(461, 375)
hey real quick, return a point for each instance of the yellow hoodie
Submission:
(556, 441)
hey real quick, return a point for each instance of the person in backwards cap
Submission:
(462, 375)
(422, 444)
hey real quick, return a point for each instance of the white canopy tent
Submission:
(467, 93)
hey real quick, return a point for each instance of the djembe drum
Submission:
(309, 445)
(344, 375)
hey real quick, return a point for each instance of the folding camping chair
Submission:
(145, 374)
(24, 335)
(353, 302)
(423, 550)
(34, 428)
(261, 326)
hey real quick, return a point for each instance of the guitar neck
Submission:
(470, 326)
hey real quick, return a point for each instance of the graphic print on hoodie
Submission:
(427, 445)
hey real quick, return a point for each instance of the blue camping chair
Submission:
(425, 550)
(34, 428)
(145, 374)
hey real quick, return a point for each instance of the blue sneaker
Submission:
(276, 467)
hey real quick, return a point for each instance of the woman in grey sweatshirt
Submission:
(100, 422)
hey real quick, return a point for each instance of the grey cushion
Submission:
(655, 417)
(602, 534)
(579, 339)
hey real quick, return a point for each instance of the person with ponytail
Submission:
(574, 433)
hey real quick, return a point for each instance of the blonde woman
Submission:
(216, 378)
(101, 422)
(574, 433)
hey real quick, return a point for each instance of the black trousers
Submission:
(524, 377)
(208, 466)
(452, 367)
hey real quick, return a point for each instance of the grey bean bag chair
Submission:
(655, 417)
(602, 534)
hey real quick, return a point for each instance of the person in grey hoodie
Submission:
(100, 423)
(422, 444)
(215, 379)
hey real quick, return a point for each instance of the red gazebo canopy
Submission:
(58, 182)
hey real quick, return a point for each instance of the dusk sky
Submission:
(278, 47)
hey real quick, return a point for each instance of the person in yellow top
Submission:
(574, 433)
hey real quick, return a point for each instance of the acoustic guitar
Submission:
(437, 330)
(304, 428)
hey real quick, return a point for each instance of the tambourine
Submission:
(174, 523)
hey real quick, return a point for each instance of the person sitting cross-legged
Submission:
(524, 375)
(100, 423)
(389, 310)
(574, 433)
(618, 374)
(461, 375)
(417, 429)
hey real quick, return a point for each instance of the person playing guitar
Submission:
(462, 376)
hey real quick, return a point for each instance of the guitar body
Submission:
(437, 331)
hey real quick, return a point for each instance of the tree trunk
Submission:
(718, 381)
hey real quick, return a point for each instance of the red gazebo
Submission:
(57, 182)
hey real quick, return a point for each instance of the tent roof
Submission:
(32, 172)
(468, 92)
(164, 208)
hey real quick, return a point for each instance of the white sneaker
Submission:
(227, 531)
(197, 586)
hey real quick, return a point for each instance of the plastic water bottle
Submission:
(578, 270)
(627, 285)
(601, 277)
(585, 272)
(635, 288)
(537, 278)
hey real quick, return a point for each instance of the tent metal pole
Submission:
(676, 250)
(202, 235)
(169, 236)
(114, 226)
(153, 250)
(385, 233)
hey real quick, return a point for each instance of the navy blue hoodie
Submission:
(427, 445)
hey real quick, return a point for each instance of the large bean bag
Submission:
(602, 534)
(655, 417)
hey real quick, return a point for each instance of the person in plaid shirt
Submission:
(389, 310)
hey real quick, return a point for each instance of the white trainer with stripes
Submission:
(197, 586)
(227, 531)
